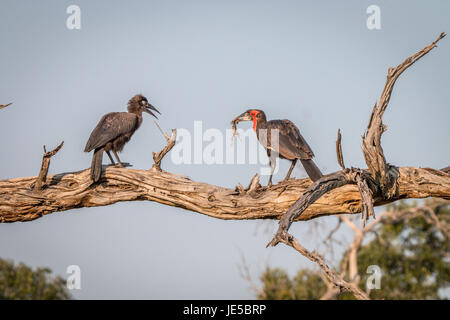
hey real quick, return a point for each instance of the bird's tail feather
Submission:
(96, 166)
(312, 170)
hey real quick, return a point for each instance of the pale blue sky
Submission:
(313, 62)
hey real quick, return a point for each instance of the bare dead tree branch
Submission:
(157, 157)
(331, 275)
(334, 230)
(340, 157)
(315, 191)
(427, 212)
(338, 193)
(332, 290)
(244, 271)
(349, 262)
(42, 178)
(371, 144)
(373, 154)
(380, 181)
(73, 190)
(5, 105)
(366, 197)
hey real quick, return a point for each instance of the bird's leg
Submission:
(290, 169)
(273, 162)
(119, 164)
(110, 158)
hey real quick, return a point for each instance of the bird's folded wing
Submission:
(291, 143)
(111, 126)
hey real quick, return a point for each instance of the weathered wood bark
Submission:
(42, 177)
(18, 201)
(411, 183)
(157, 157)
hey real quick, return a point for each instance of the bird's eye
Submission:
(143, 102)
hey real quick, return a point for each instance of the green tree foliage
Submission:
(277, 285)
(20, 282)
(412, 254)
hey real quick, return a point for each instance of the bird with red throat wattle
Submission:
(282, 139)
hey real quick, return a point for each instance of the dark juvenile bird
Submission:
(5, 105)
(114, 130)
(291, 145)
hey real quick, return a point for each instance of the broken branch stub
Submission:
(157, 157)
(42, 177)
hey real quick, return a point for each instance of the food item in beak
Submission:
(233, 126)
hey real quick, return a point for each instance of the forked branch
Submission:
(157, 157)
(42, 178)
(371, 144)
(380, 181)
(331, 275)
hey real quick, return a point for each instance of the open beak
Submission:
(148, 107)
(244, 117)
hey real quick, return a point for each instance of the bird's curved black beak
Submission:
(149, 106)
(244, 117)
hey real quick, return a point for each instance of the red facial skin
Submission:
(253, 113)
